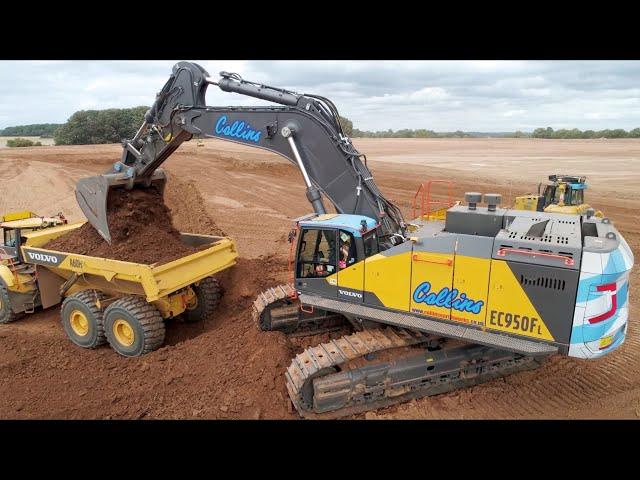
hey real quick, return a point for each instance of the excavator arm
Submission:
(305, 129)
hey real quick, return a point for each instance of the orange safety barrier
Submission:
(426, 188)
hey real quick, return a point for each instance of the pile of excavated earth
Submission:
(141, 230)
(222, 367)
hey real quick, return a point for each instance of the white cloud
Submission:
(376, 95)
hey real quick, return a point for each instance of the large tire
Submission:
(208, 294)
(82, 319)
(133, 327)
(7, 315)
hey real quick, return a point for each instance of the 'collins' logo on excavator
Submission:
(237, 129)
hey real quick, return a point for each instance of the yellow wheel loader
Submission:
(564, 194)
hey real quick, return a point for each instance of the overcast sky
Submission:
(487, 96)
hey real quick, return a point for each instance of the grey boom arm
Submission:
(303, 128)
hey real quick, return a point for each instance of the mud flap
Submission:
(49, 284)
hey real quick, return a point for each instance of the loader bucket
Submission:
(92, 194)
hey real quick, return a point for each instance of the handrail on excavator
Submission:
(426, 187)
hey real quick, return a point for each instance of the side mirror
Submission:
(291, 236)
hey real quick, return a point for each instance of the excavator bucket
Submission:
(92, 194)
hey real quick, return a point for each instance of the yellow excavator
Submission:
(564, 194)
(475, 293)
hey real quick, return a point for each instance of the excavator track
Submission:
(346, 377)
(321, 385)
(278, 308)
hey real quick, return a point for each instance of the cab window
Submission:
(317, 253)
(347, 255)
(370, 244)
(550, 195)
(577, 197)
(10, 237)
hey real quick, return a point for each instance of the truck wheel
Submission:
(82, 319)
(133, 326)
(208, 295)
(6, 313)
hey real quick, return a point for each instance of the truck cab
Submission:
(14, 225)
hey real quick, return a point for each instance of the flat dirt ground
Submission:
(225, 367)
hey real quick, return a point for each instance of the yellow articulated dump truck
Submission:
(104, 300)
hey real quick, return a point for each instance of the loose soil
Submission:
(141, 231)
(226, 367)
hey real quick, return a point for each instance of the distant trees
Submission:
(22, 142)
(36, 130)
(347, 126)
(88, 127)
(409, 133)
(576, 133)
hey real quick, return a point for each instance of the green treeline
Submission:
(113, 125)
(45, 130)
(575, 133)
(89, 127)
(408, 133)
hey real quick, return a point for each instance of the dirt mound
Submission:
(141, 231)
(224, 367)
(184, 197)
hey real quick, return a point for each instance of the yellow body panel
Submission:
(7, 276)
(351, 277)
(526, 202)
(389, 278)
(175, 304)
(41, 237)
(437, 269)
(33, 222)
(471, 278)
(572, 209)
(11, 216)
(509, 309)
(16, 283)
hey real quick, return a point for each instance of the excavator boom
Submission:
(305, 129)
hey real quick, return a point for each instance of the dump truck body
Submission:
(34, 276)
(114, 276)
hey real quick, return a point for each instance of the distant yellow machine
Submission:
(565, 194)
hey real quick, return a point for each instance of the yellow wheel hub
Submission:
(123, 332)
(79, 323)
(192, 303)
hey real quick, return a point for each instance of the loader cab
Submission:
(330, 254)
(570, 194)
